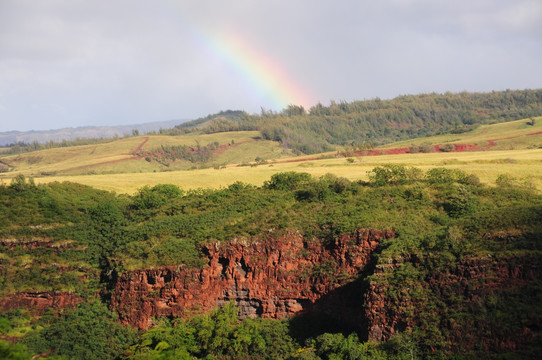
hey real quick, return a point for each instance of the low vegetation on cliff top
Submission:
(66, 237)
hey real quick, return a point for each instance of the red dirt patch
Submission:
(375, 152)
(464, 147)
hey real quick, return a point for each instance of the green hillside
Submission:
(459, 278)
(376, 122)
(512, 148)
(153, 153)
(235, 137)
(511, 135)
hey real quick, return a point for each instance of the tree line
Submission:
(324, 128)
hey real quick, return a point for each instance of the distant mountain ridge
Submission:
(43, 136)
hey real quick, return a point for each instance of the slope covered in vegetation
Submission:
(375, 122)
(465, 258)
(135, 154)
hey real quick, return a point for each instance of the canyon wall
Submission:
(477, 303)
(275, 277)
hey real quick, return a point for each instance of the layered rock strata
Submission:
(275, 277)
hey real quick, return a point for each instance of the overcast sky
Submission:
(70, 63)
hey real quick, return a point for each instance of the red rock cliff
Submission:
(271, 278)
(473, 280)
(39, 301)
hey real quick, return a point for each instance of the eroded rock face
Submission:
(272, 278)
(39, 301)
(473, 281)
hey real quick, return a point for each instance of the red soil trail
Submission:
(465, 147)
(133, 157)
(138, 149)
(493, 142)
(375, 152)
(219, 150)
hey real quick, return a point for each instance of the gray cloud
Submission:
(75, 62)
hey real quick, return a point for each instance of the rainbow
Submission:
(260, 72)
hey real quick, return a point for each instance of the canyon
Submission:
(281, 276)
(276, 277)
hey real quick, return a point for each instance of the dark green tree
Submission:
(89, 332)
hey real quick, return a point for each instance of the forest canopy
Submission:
(376, 122)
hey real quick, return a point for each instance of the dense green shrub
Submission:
(288, 181)
(149, 198)
(337, 346)
(13, 351)
(89, 332)
(218, 335)
(393, 174)
(460, 203)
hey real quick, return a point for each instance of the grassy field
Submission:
(513, 148)
(513, 135)
(488, 165)
(119, 156)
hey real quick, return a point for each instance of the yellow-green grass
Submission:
(118, 156)
(59, 159)
(202, 139)
(112, 166)
(521, 164)
(253, 151)
(516, 131)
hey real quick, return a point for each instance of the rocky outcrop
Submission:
(454, 298)
(275, 277)
(34, 243)
(39, 301)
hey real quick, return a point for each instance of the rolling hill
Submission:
(125, 165)
(153, 153)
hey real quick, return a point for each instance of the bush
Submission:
(89, 332)
(450, 176)
(447, 147)
(460, 203)
(336, 346)
(149, 198)
(218, 335)
(175, 251)
(288, 181)
(13, 351)
(392, 174)
(19, 183)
